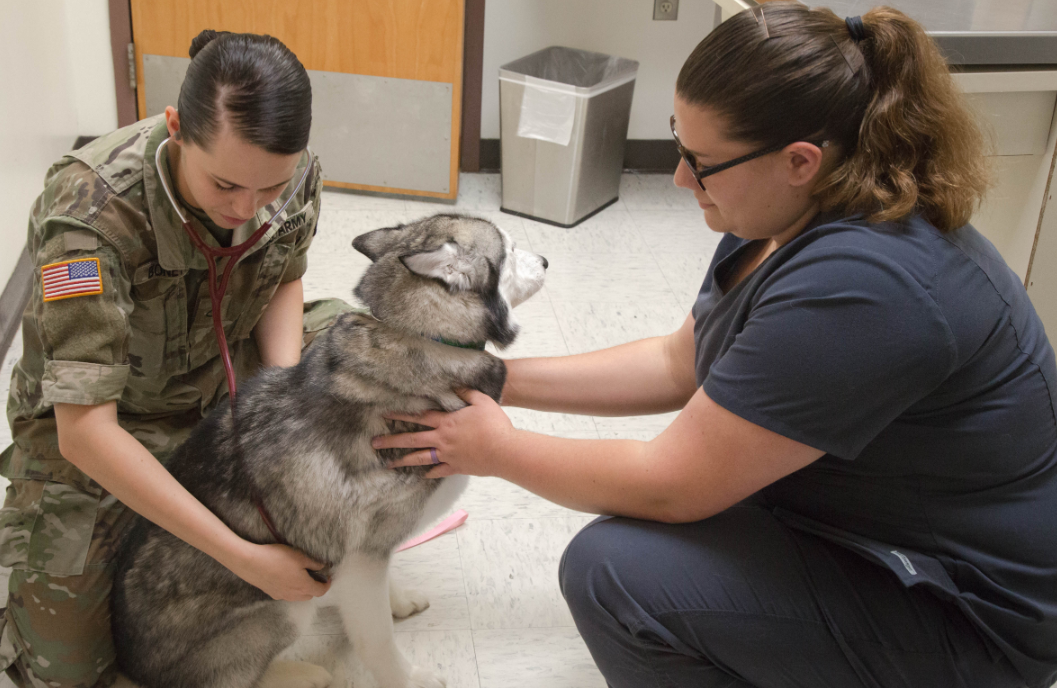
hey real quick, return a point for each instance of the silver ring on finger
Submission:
(433, 455)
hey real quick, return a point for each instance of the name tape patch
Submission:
(71, 278)
(290, 225)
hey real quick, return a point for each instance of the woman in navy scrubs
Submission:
(861, 486)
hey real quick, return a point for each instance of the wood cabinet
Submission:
(386, 79)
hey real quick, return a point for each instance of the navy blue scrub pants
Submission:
(741, 599)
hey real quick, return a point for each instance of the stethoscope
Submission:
(217, 288)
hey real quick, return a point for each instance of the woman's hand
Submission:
(468, 441)
(280, 571)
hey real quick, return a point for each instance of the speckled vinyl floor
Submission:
(496, 617)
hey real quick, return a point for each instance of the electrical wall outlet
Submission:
(665, 10)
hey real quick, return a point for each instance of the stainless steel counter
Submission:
(970, 32)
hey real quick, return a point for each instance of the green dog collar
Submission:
(479, 346)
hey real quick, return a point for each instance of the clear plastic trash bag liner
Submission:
(555, 79)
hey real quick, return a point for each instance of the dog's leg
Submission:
(301, 614)
(361, 585)
(406, 601)
(441, 501)
(296, 674)
(237, 656)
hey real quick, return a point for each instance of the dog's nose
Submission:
(545, 263)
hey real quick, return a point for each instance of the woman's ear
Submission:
(172, 122)
(804, 162)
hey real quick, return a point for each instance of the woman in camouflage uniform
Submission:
(120, 360)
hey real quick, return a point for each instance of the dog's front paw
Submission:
(422, 678)
(404, 602)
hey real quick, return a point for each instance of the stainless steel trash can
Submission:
(563, 117)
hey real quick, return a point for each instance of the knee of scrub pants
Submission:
(61, 542)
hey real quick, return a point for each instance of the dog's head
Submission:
(448, 276)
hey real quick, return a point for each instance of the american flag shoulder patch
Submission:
(71, 278)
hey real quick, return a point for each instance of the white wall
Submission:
(91, 64)
(57, 82)
(515, 28)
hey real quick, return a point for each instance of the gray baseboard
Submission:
(640, 155)
(83, 141)
(490, 155)
(14, 299)
(653, 156)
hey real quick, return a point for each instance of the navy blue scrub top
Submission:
(917, 362)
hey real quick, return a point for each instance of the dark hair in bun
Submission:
(253, 81)
(201, 40)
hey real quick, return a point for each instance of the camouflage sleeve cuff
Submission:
(88, 384)
(295, 270)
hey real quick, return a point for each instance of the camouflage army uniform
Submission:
(146, 342)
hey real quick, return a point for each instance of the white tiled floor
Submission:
(496, 617)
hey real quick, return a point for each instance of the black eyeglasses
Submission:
(702, 172)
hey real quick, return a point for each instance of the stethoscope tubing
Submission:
(217, 288)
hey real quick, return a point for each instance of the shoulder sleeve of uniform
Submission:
(298, 264)
(80, 302)
(73, 190)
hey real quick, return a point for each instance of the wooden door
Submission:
(394, 56)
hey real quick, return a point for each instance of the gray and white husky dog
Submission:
(300, 446)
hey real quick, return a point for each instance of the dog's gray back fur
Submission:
(301, 443)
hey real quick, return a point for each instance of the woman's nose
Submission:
(246, 205)
(683, 178)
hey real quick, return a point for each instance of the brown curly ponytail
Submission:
(786, 73)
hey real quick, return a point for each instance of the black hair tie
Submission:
(856, 28)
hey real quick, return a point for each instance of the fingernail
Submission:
(376, 443)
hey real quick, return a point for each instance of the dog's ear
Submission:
(446, 264)
(377, 243)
